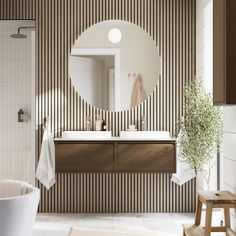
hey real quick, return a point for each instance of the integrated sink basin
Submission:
(93, 135)
(145, 135)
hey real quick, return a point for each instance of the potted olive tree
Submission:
(202, 126)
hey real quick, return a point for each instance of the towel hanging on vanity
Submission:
(138, 94)
(46, 166)
(184, 173)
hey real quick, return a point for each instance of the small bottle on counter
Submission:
(104, 126)
(98, 123)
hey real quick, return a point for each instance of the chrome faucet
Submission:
(143, 123)
(88, 124)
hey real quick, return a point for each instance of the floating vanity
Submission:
(140, 151)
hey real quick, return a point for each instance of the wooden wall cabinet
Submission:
(116, 156)
(224, 52)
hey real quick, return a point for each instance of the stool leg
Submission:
(198, 213)
(227, 218)
(208, 219)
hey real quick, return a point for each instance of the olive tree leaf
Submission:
(202, 124)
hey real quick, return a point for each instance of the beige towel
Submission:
(139, 93)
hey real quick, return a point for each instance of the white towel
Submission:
(184, 172)
(46, 166)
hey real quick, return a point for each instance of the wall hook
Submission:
(20, 115)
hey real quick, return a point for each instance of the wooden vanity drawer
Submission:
(116, 156)
(149, 157)
(79, 157)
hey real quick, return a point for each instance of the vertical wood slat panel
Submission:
(131, 192)
(171, 24)
(123, 193)
(18, 9)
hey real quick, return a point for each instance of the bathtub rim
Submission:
(34, 190)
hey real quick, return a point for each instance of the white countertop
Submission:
(114, 139)
(107, 136)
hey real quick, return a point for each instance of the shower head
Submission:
(19, 35)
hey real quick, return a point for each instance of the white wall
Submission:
(16, 160)
(92, 72)
(204, 42)
(229, 160)
(204, 66)
(204, 45)
(86, 71)
(138, 54)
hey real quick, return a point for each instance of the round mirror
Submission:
(114, 65)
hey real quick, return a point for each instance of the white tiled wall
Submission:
(16, 160)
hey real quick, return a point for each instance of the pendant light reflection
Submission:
(114, 35)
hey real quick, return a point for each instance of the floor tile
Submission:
(166, 224)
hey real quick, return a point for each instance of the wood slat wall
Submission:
(17, 9)
(171, 24)
(126, 192)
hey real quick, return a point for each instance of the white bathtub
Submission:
(17, 212)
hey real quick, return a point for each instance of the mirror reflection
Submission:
(114, 65)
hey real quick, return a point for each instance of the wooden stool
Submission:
(219, 199)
